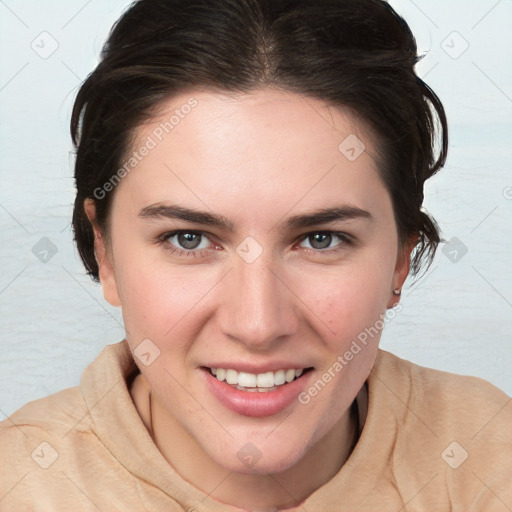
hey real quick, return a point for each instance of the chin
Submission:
(255, 459)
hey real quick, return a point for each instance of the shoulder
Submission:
(450, 399)
(70, 408)
(55, 413)
(33, 440)
(451, 431)
(51, 445)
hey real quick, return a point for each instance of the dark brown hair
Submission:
(354, 53)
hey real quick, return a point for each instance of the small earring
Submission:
(397, 291)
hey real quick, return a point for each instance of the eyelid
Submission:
(164, 237)
(346, 240)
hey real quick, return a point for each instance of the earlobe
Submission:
(103, 257)
(402, 268)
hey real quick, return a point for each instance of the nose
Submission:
(259, 309)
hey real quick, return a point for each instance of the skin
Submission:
(256, 159)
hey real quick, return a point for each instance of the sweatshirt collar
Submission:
(116, 422)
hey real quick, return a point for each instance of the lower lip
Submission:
(256, 404)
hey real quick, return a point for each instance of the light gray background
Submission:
(54, 320)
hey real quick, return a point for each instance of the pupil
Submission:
(188, 240)
(322, 240)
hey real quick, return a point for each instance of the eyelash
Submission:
(345, 240)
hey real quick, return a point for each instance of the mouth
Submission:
(256, 394)
(259, 383)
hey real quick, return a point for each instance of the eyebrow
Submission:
(305, 220)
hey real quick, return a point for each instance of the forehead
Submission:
(269, 148)
(217, 116)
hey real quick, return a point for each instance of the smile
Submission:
(257, 394)
(261, 382)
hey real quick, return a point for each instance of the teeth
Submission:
(252, 382)
(265, 380)
(247, 380)
(290, 375)
(231, 377)
(279, 377)
(256, 390)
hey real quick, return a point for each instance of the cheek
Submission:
(350, 310)
(346, 300)
(156, 297)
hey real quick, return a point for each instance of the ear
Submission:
(103, 257)
(403, 264)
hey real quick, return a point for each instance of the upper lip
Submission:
(257, 368)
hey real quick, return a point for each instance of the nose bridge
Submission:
(258, 308)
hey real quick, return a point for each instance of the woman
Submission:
(250, 183)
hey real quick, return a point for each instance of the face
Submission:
(253, 238)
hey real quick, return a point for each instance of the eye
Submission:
(186, 241)
(323, 240)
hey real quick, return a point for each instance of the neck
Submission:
(256, 491)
